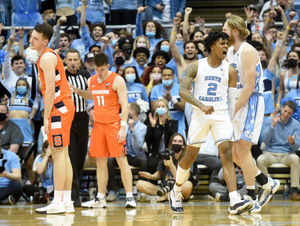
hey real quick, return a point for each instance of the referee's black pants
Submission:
(78, 149)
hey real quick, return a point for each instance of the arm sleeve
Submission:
(138, 25)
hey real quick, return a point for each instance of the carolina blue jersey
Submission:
(26, 13)
(136, 91)
(94, 11)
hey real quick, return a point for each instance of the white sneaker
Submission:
(266, 193)
(95, 203)
(52, 208)
(256, 208)
(175, 201)
(130, 203)
(69, 206)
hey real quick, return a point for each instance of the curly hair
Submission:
(212, 38)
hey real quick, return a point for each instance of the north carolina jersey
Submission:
(211, 84)
(235, 61)
(106, 100)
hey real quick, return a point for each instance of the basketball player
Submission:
(58, 117)
(108, 138)
(249, 110)
(214, 86)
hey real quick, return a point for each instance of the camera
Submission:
(165, 189)
(166, 154)
(3, 161)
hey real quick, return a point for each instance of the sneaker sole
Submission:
(130, 206)
(170, 203)
(242, 209)
(272, 192)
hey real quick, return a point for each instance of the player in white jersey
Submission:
(214, 88)
(249, 110)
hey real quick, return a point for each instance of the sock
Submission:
(67, 196)
(177, 188)
(100, 195)
(129, 195)
(261, 178)
(58, 196)
(234, 198)
(181, 175)
(251, 192)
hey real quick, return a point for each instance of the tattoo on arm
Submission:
(186, 82)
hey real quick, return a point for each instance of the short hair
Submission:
(212, 38)
(118, 51)
(101, 59)
(45, 29)
(135, 107)
(73, 51)
(295, 45)
(65, 35)
(15, 58)
(190, 41)
(141, 50)
(47, 12)
(237, 22)
(94, 45)
(102, 25)
(291, 104)
(160, 53)
(167, 68)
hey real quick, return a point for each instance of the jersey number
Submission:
(100, 100)
(212, 87)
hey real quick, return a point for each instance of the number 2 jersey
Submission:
(106, 100)
(211, 85)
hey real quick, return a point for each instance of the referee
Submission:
(79, 129)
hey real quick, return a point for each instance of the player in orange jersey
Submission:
(108, 138)
(58, 117)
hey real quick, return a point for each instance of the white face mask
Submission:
(141, 45)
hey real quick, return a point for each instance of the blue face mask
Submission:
(161, 110)
(150, 34)
(21, 90)
(130, 78)
(180, 42)
(16, 48)
(167, 82)
(165, 48)
(114, 42)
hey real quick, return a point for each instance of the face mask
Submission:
(130, 78)
(161, 111)
(21, 90)
(2, 117)
(167, 82)
(176, 147)
(165, 48)
(51, 22)
(141, 45)
(114, 42)
(180, 42)
(16, 48)
(264, 63)
(291, 63)
(156, 77)
(150, 34)
(119, 61)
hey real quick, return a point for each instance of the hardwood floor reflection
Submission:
(197, 212)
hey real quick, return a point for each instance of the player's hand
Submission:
(208, 110)
(152, 120)
(121, 134)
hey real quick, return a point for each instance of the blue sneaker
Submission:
(241, 207)
(256, 208)
(266, 193)
(175, 202)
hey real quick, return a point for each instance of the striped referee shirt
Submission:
(79, 80)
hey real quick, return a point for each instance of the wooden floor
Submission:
(197, 212)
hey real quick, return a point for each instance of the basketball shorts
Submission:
(104, 142)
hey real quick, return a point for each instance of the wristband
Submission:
(288, 27)
(268, 20)
(277, 104)
(123, 123)
(149, 86)
(84, 6)
(174, 100)
(10, 42)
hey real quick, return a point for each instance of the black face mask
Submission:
(176, 148)
(291, 63)
(119, 61)
(264, 63)
(51, 22)
(2, 117)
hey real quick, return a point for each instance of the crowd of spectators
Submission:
(152, 61)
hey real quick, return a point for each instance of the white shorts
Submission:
(218, 123)
(248, 120)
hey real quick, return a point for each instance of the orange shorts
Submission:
(60, 127)
(104, 142)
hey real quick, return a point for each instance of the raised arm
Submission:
(21, 42)
(185, 29)
(174, 49)
(185, 85)
(83, 14)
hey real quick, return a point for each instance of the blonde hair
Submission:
(136, 40)
(236, 22)
(166, 103)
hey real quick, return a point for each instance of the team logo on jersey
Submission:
(107, 85)
(249, 134)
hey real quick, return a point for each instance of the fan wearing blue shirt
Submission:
(135, 89)
(169, 90)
